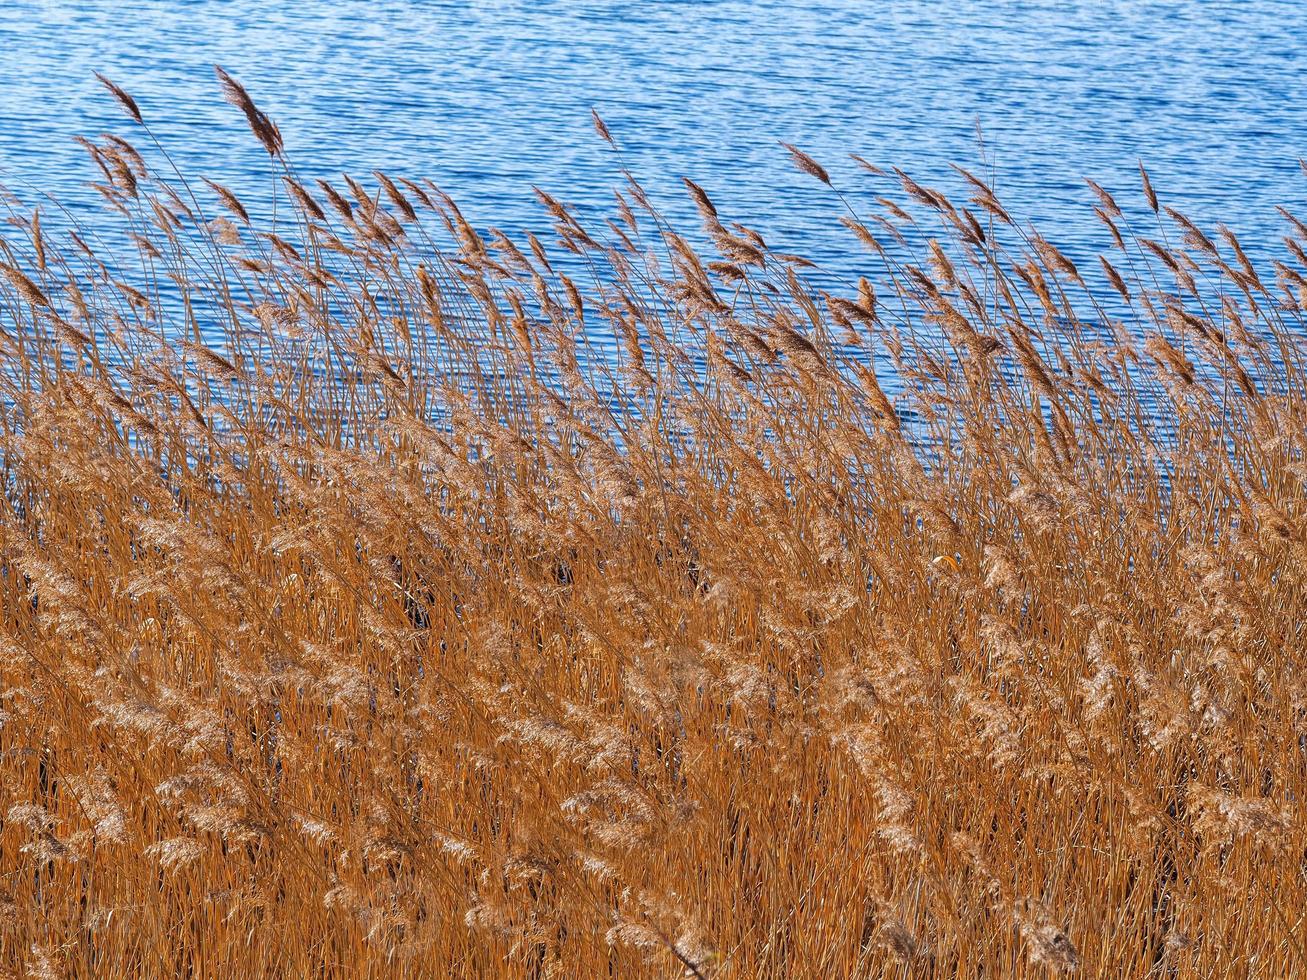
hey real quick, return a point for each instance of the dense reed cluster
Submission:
(383, 596)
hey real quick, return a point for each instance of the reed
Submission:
(383, 596)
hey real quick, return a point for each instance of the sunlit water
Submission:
(488, 98)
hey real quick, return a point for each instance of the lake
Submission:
(487, 98)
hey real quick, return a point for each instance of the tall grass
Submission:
(386, 597)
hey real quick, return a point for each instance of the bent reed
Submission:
(385, 597)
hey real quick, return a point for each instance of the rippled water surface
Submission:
(488, 97)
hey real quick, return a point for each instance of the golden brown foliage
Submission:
(365, 615)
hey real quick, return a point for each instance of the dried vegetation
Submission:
(384, 596)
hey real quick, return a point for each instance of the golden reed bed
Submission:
(386, 598)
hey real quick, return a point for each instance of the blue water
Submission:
(487, 98)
